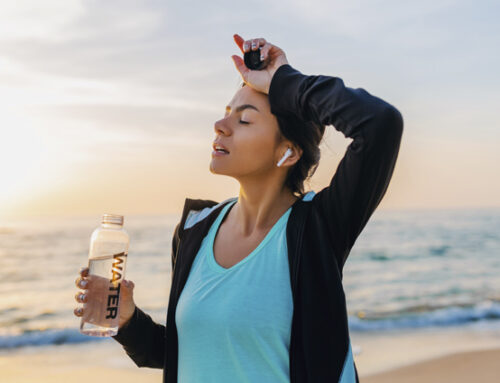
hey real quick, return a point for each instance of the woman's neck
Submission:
(253, 215)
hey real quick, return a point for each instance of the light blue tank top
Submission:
(234, 324)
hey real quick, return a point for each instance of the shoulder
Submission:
(197, 210)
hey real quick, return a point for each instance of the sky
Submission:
(109, 106)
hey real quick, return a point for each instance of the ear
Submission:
(299, 151)
(294, 157)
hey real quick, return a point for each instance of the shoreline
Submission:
(457, 354)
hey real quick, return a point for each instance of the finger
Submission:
(239, 41)
(241, 67)
(78, 311)
(81, 297)
(84, 271)
(264, 51)
(247, 45)
(128, 284)
(82, 283)
(256, 43)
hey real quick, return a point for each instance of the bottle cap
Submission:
(112, 218)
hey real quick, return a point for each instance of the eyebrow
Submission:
(243, 107)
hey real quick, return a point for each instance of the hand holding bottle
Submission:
(127, 305)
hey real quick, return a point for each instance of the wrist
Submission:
(275, 68)
(129, 319)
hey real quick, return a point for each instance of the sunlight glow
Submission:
(22, 154)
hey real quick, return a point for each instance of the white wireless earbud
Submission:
(287, 154)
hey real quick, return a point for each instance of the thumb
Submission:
(241, 67)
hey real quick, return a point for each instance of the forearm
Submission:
(327, 101)
(143, 340)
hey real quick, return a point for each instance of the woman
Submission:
(261, 274)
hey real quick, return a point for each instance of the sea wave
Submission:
(427, 316)
(45, 337)
(484, 313)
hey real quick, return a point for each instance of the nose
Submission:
(220, 127)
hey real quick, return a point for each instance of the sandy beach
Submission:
(75, 363)
(471, 366)
(448, 355)
(79, 364)
(401, 352)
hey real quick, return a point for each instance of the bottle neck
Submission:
(113, 226)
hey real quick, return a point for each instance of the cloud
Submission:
(42, 20)
(176, 55)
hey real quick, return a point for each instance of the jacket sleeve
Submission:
(362, 176)
(142, 338)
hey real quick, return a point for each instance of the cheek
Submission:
(259, 159)
(258, 148)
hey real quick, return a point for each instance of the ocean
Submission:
(408, 269)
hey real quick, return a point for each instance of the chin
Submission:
(218, 169)
(213, 168)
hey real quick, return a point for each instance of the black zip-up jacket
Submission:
(321, 231)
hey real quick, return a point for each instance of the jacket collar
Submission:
(196, 210)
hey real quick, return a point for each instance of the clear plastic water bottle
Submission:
(107, 259)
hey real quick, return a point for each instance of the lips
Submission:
(217, 145)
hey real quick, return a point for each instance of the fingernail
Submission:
(83, 283)
(262, 56)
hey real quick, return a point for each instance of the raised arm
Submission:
(362, 176)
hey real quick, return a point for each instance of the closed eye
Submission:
(244, 122)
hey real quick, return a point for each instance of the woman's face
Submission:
(250, 132)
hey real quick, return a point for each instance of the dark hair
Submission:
(307, 135)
